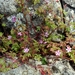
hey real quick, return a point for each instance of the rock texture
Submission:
(8, 6)
(62, 68)
(54, 67)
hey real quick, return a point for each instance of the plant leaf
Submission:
(1, 34)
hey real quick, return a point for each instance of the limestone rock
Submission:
(8, 6)
(57, 66)
(62, 67)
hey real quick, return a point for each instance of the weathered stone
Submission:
(56, 67)
(62, 67)
(38, 63)
(8, 6)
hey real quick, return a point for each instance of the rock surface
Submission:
(8, 6)
(54, 67)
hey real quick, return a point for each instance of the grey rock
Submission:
(71, 2)
(38, 63)
(22, 70)
(62, 67)
(2, 73)
(57, 67)
(8, 6)
(14, 20)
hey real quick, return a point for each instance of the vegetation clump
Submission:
(52, 37)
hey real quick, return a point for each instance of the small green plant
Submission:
(1, 16)
(20, 44)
